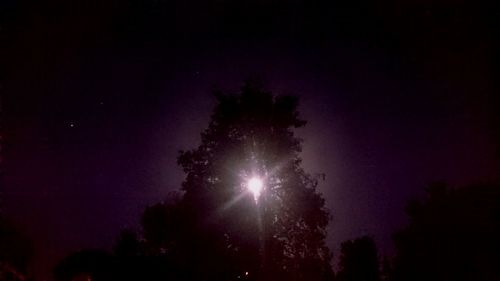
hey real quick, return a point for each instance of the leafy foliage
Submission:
(217, 229)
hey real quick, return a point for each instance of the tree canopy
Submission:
(220, 230)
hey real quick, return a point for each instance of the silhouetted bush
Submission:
(452, 235)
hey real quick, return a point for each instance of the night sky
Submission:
(101, 95)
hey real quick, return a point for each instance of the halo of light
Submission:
(255, 186)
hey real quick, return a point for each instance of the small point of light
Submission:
(246, 273)
(255, 185)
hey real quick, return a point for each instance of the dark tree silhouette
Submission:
(16, 251)
(359, 260)
(128, 244)
(221, 231)
(85, 265)
(163, 225)
(452, 235)
(386, 269)
(132, 261)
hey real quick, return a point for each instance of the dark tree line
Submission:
(452, 235)
(215, 229)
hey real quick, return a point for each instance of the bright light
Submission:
(255, 186)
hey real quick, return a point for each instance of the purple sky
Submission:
(103, 95)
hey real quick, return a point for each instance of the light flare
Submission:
(255, 186)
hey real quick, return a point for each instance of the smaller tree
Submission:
(94, 264)
(128, 244)
(359, 260)
(452, 235)
(163, 225)
(16, 250)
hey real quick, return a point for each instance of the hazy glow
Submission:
(255, 185)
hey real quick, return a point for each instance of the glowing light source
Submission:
(255, 186)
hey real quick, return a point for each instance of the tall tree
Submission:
(359, 260)
(276, 231)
